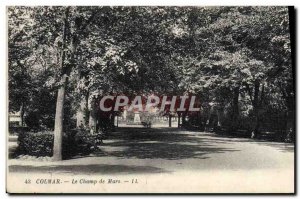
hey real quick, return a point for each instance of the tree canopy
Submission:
(237, 59)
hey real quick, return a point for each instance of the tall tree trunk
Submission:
(290, 120)
(289, 97)
(289, 129)
(235, 109)
(82, 114)
(255, 103)
(59, 113)
(92, 117)
(179, 115)
(112, 121)
(112, 118)
(183, 119)
(22, 114)
(87, 111)
(219, 114)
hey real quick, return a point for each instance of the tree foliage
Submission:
(236, 59)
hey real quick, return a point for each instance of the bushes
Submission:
(41, 143)
(32, 120)
(80, 142)
(35, 144)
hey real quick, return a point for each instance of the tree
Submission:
(236, 59)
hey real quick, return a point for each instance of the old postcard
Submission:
(150, 99)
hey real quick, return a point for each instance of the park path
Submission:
(171, 149)
(177, 161)
(174, 149)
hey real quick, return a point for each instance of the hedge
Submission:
(41, 143)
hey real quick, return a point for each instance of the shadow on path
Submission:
(281, 146)
(141, 150)
(160, 143)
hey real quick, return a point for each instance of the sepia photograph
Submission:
(150, 100)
